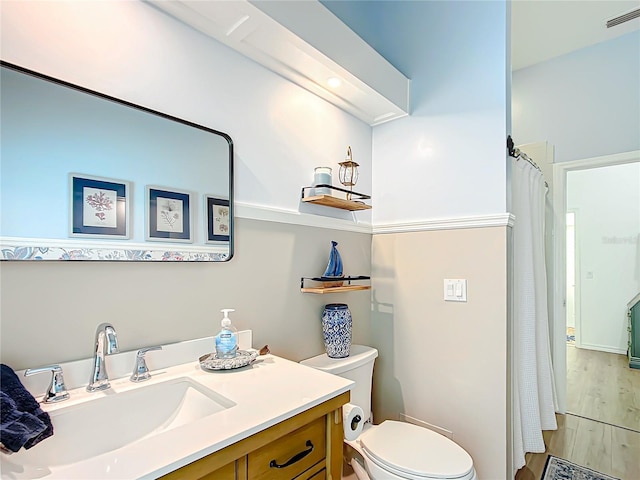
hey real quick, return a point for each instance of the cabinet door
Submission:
(290, 455)
(228, 472)
(199, 471)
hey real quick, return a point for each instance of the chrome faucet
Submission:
(57, 391)
(106, 343)
(140, 369)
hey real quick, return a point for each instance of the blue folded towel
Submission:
(22, 422)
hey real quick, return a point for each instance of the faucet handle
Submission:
(140, 369)
(57, 390)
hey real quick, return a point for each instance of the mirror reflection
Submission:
(85, 176)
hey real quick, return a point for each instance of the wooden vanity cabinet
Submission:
(307, 446)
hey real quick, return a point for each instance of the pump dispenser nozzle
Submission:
(226, 321)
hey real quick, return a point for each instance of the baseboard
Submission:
(603, 348)
(422, 423)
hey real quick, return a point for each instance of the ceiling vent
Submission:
(625, 17)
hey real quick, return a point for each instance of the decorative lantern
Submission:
(348, 173)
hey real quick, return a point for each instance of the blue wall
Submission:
(427, 41)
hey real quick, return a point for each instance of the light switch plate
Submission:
(455, 290)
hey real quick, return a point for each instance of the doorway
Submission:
(605, 337)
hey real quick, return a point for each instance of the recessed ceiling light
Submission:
(334, 82)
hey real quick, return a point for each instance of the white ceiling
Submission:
(290, 38)
(544, 29)
(284, 37)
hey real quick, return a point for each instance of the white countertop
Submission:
(265, 393)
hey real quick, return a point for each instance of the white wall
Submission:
(447, 159)
(128, 49)
(608, 236)
(134, 52)
(585, 103)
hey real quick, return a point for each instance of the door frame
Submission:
(559, 333)
(576, 275)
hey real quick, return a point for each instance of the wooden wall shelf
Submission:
(346, 286)
(356, 202)
(329, 201)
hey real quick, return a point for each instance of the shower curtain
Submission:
(534, 401)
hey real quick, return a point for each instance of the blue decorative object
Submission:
(334, 268)
(336, 329)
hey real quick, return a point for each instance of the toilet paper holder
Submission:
(352, 418)
(355, 421)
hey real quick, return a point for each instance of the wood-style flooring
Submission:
(601, 386)
(601, 430)
(596, 445)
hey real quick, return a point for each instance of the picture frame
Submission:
(169, 215)
(99, 207)
(217, 220)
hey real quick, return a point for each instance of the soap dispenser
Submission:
(227, 339)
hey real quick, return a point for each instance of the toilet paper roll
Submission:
(352, 421)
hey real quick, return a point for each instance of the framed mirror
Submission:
(85, 176)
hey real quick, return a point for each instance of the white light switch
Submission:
(455, 290)
(449, 293)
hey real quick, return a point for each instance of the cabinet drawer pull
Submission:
(296, 458)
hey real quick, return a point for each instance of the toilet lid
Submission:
(415, 450)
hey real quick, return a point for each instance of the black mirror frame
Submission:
(103, 96)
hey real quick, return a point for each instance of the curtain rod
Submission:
(517, 154)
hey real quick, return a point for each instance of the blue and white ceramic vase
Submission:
(336, 329)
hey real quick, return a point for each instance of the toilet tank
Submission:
(358, 367)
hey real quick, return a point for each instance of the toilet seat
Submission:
(413, 452)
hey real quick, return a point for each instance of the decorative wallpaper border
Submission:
(25, 249)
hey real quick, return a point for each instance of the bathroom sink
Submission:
(114, 420)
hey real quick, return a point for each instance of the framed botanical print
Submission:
(99, 207)
(169, 215)
(217, 223)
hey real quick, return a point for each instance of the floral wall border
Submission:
(25, 252)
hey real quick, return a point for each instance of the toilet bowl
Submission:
(393, 450)
(402, 451)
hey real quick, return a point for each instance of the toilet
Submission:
(393, 450)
